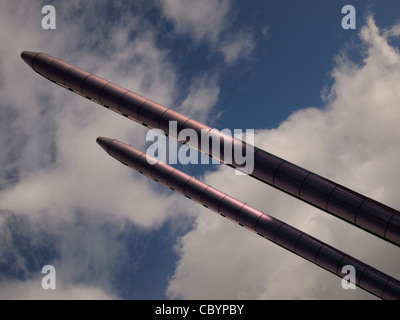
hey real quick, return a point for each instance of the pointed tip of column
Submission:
(28, 57)
(104, 142)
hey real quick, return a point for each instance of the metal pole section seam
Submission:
(361, 211)
(286, 236)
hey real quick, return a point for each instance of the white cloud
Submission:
(353, 141)
(209, 21)
(240, 45)
(204, 20)
(54, 132)
(53, 174)
(57, 180)
(202, 97)
(265, 31)
(32, 290)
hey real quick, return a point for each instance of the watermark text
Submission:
(349, 20)
(349, 280)
(49, 20)
(216, 146)
(49, 280)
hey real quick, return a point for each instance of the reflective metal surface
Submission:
(40, 63)
(327, 195)
(317, 190)
(177, 180)
(28, 57)
(392, 289)
(212, 198)
(358, 266)
(344, 203)
(74, 78)
(265, 225)
(374, 281)
(374, 216)
(150, 113)
(111, 95)
(92, 87)
(230, 207)
(172, 115)
(287, 236)
(130, 104)
(144, 167)
(393, 229)
(194, 189)
(161, 173)
(268, 226)
(308, 247)
(289, 177)
(265, 165)
(329, 258)
(279, 173)
(248, 216)
(57, 69)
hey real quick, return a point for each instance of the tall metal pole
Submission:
(305, 185)
(292, 239)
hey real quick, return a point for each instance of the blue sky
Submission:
(317, 95)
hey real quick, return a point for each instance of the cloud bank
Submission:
(352, 140)
(209, 21)
(63, 200)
